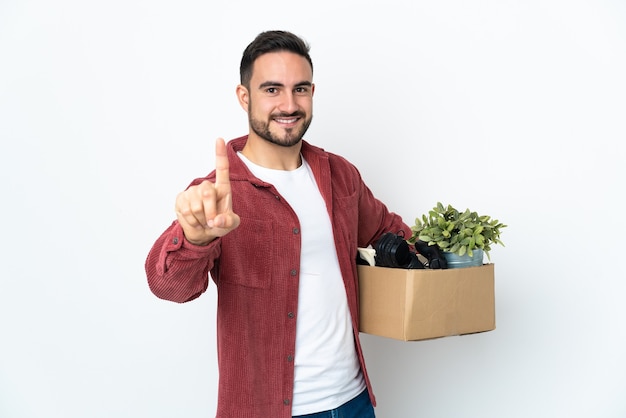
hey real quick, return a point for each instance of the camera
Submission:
(392, 250)
(436, 260)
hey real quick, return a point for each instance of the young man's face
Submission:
(279, 101)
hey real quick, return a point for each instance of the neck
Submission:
(268, 155)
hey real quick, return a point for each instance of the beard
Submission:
(291, 136)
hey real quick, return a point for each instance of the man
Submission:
(277, 225)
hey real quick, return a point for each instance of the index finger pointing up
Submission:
(221, 163)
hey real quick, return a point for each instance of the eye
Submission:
(271, 90)
(302, 90)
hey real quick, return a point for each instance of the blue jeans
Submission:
(359, 407)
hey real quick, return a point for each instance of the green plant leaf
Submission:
(460, 232)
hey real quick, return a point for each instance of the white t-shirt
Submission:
(327, 370)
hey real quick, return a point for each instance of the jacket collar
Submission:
(315, 156)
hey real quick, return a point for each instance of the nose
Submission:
(288, 104)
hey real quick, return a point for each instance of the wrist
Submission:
(198, 243)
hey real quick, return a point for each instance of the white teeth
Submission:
(286, 120)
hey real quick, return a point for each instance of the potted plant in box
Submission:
(463, 237)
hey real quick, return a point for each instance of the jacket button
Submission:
(286, 402)
(290, 358)
(291, 315)
(293, 272)
(296, 231)
(175, 240)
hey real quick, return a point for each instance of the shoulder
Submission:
(335, 161)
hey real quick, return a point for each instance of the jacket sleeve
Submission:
(178, 270)
(375, 219)
(366, 214)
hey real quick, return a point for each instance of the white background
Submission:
(514, 109)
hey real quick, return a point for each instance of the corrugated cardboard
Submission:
(411, 305)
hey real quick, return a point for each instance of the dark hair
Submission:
(271, 41)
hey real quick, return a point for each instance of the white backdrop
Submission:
(513, 109)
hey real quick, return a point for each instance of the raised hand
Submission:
(205, 211)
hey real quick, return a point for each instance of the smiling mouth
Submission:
(286, 121)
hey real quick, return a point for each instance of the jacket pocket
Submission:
(248, 254)
(347, 216)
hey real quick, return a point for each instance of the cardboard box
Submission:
(411, 305)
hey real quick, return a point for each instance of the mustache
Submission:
(288, 115)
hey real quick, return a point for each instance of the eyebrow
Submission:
(277, 84)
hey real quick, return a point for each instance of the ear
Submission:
(312, 89)
(243, 96)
